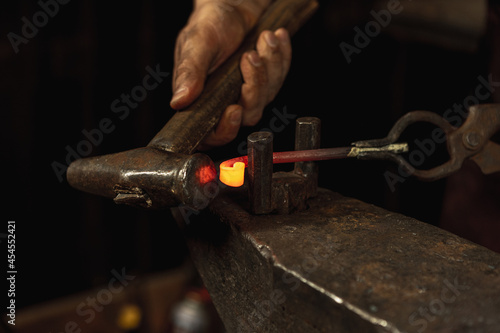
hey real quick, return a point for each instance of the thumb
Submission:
(192, 61)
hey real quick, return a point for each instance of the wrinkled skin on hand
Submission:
(213, 32)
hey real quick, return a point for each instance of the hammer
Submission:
(167, 173)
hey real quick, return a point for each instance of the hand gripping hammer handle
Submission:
(164, 173)
(187, 128)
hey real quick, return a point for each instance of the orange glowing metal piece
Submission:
(232, 172)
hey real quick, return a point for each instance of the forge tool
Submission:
(166, 173)
(469, 141)
(232, 171)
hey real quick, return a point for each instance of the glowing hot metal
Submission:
(232, 171)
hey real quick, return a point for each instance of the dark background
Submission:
(65, 78)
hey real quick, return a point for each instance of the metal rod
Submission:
(299, 156)
(308, 136)
(314, 155)
(260, 171)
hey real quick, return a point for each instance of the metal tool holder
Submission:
(282, 192)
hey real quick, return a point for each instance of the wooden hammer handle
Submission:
(187, 128)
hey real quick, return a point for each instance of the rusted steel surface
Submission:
(341, 266)
(290, 192)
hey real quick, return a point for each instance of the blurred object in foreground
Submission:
(129, 317)
(192, 314)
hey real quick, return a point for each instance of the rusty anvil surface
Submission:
(341, 266)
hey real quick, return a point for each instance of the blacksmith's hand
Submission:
(215, 29)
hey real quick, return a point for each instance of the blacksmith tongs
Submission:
(469, 141)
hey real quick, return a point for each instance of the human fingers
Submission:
(226, 129)
(209, 38)
(264, 71)
(194, 52)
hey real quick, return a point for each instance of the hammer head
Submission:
(147, 177)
